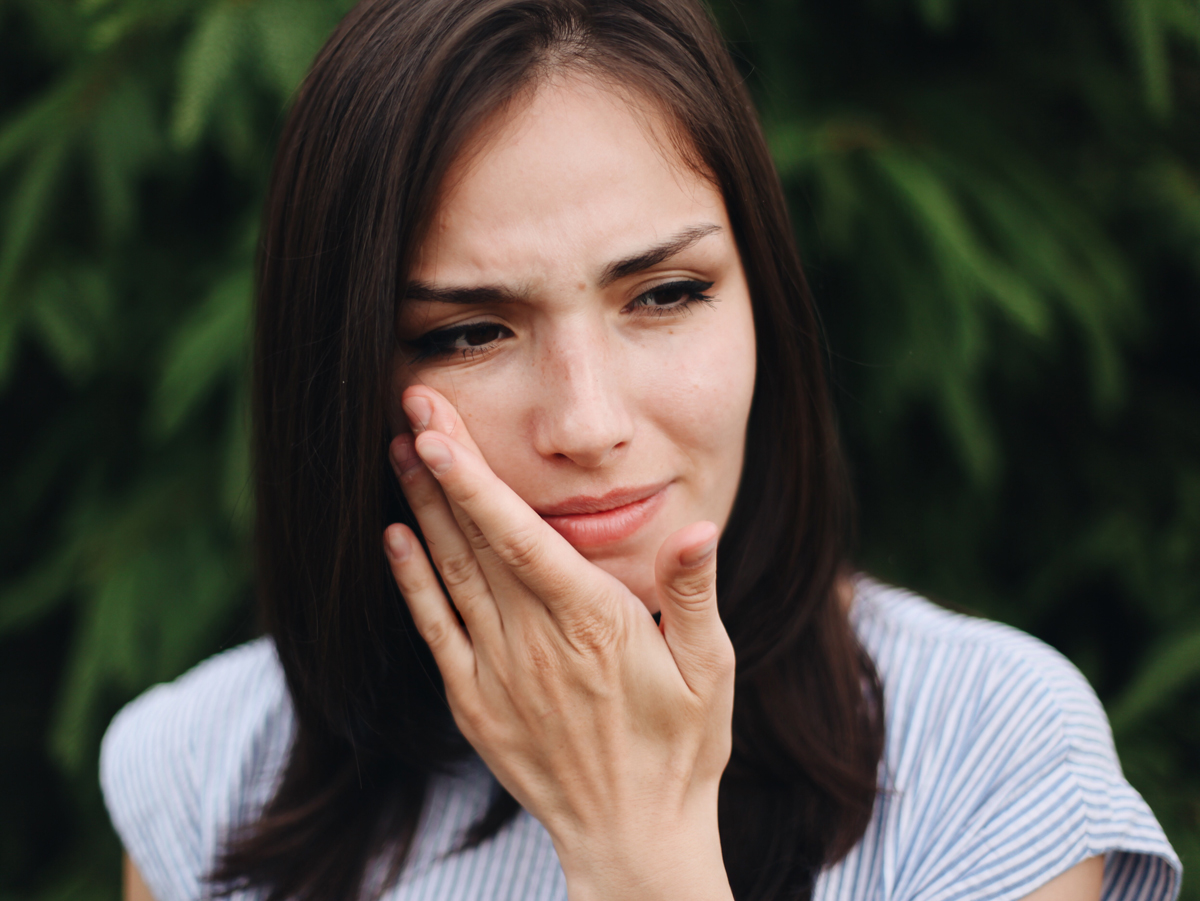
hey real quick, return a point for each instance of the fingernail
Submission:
(397, 544)
(419, 411)
(405, 456)
(436, 455)
(700, 554)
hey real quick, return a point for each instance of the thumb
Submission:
(686, 577)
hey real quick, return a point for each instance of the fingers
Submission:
(431, 612)
(529, 548)
(536, 554)
(427, 410)
(686, 577)
(451, 551)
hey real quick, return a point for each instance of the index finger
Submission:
(537, 555)
(429, 410)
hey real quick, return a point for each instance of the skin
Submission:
(610, 729)
(596, 385)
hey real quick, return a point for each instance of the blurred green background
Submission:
(999, 208)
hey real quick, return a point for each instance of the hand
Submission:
(611, 731)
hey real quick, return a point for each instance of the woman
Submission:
(529, 308)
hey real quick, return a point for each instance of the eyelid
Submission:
(426, 331)
(438, 342)
(425, 346)
(661, 281)
(685, 284)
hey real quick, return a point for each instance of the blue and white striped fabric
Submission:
(998, 775)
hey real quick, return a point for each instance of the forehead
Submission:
(572, 176)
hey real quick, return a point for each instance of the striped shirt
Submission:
(998, 774)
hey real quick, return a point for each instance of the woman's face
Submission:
(581, 301)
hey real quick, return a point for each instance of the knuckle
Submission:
(474, 534)
(458, 569)
(692, 591)
(413, 579)
(437, 635)
(465, 491)
(421, 490)
(592, 633)
(521, 549)
(468, 715)
(541, 656)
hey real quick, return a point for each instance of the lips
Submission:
(593, 521)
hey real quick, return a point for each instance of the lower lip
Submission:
(608, 526)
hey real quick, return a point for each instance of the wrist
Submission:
(635, 865)
(695, 873)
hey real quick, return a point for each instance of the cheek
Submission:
(495, 404)
(487, 401)
(702, 390)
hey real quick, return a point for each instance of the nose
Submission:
(584, 414)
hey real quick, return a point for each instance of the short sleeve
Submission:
(1026, 786)
(188, 759)
(149, 778)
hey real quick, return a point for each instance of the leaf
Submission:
(1059, 263)
(206, 67)
(105, 650)
(1175, 666)
(28, 211)
(134, 26)
(237, 129)
(1183, 16)
(963, 410)
(289, 32)
(155, 605)
(237, 488)
(938, 14)
(38, 593)
(1150, 45)
(70, 312)
(953, 242)
(792, 146)
(44, 119)
(1176, 190)
(212, 344)
(124, 136)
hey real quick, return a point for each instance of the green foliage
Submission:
(999, 205)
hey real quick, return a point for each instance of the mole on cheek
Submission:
(583, 286)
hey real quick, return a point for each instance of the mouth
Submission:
(594, 521)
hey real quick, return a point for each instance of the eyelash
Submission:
(439, 343)
(691, 289)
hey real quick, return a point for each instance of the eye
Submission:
(468, 339)
(672, 297)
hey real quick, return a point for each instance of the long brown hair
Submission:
(393, 96)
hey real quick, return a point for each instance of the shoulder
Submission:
(935, 664)
(999, 768)
(189, 759)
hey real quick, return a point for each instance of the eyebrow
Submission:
(478, 296)
(493, 294)
(657, 254)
